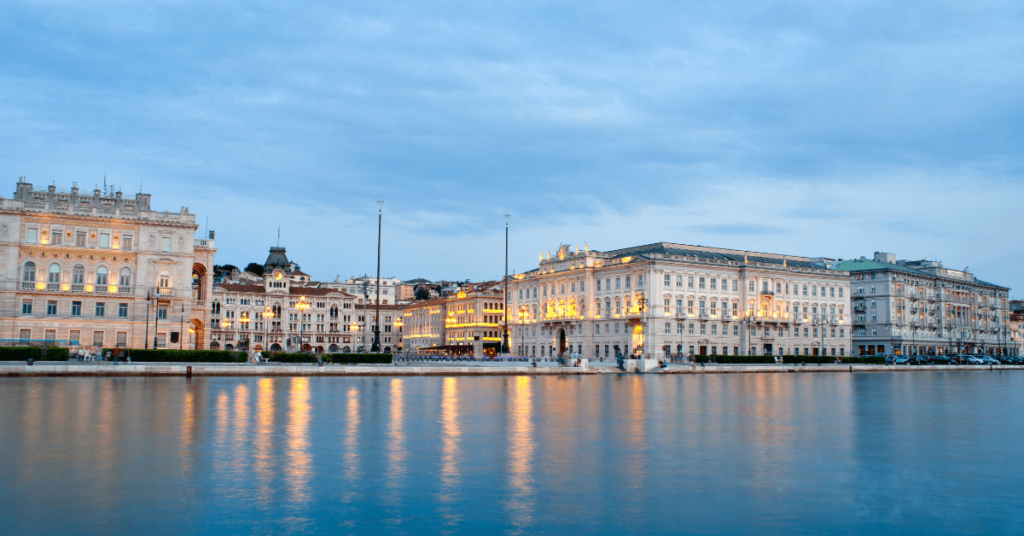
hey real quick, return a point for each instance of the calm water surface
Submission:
(896, 453)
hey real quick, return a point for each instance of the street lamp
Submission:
(223, 326)
(524, 316)
(302, 306)
(245, 328)
(268, 313)
(191, 330)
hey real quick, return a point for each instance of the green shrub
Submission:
(178, 356)
(810, 359)
(342, 359)
(351, 359)
(23, 353)
(865, 360)
(736, 359)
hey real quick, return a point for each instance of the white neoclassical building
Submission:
(673, 300)
(99, 269)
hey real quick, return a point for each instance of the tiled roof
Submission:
(739, 256)
(240, 287)
(869, 266)
(426, 303)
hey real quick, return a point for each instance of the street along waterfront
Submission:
(610, 453)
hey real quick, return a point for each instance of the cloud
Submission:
(805, 128)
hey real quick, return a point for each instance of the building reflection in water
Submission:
(264, 440)
(188, 432)
(450, 436)
(396, 453)
(352, 436)
(239, 446)
(520, 453)
(298, 470)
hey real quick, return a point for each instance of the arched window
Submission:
(78, 275)
(53, 276)
(29, 274)
(126, 277)
(101, 275)
(165, 279)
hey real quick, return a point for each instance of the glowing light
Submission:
(88, 288)
(112, 289)
(65, 286)
(40, 286)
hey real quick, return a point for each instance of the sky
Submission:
(807, 128)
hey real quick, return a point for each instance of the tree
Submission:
(254, 268)
(422, 294)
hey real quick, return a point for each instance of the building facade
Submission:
(467, 323)
(921, 307)
(99, 270)
(668, 300)
(286, 310)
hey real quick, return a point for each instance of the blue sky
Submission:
(808, 128)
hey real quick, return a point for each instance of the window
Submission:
(76, 308)
(668, 280)
(122, 339)
(679, 328)
(702, 282)
(53, 276)
(750, 286)
(122, 310)
(51, 308)
(714, 329)
(778, 288)
(689, 281)
(31, 236)
(101, 275)
(80, 239)
(689, 306)
(78, 275)
(840, 292)
(126, 277)
(735, 285)
(805, 290)
(126, 243)
(703, 329)
(105, 240)
(101, 309)
(691, 329)
(832, 292)
(161, 312)
(599, 285)
(166, 244)
(814, 290)
(679, 281)
(713, 283)
(57, 237)
(165, 280)
(668, 327)
(29, 273)
(26, 307)
(639, 280)
(616, 327)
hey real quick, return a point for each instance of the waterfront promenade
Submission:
(44, 368)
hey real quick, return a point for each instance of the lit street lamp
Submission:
(302, 306)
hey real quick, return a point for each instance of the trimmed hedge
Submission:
(179, 356)
(736, 359)
(810, 359)
(342, 359)
(350, 359)
(24, 353)
(866, 360)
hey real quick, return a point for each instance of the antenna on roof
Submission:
(278, 236)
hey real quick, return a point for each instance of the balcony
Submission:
(165, 292)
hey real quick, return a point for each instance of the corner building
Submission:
(99, 269)
(671, 301)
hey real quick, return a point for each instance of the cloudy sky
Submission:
(809, 128)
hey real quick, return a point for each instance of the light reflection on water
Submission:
(912, 453)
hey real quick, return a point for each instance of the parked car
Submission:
(902, 360)
(938, 359)
(989, 360)
(973, 360)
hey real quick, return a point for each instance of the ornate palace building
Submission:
(466, 323)
(922, 307)
(284, 309)
(98, 269)
(669, 300)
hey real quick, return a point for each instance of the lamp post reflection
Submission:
(297, 472)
